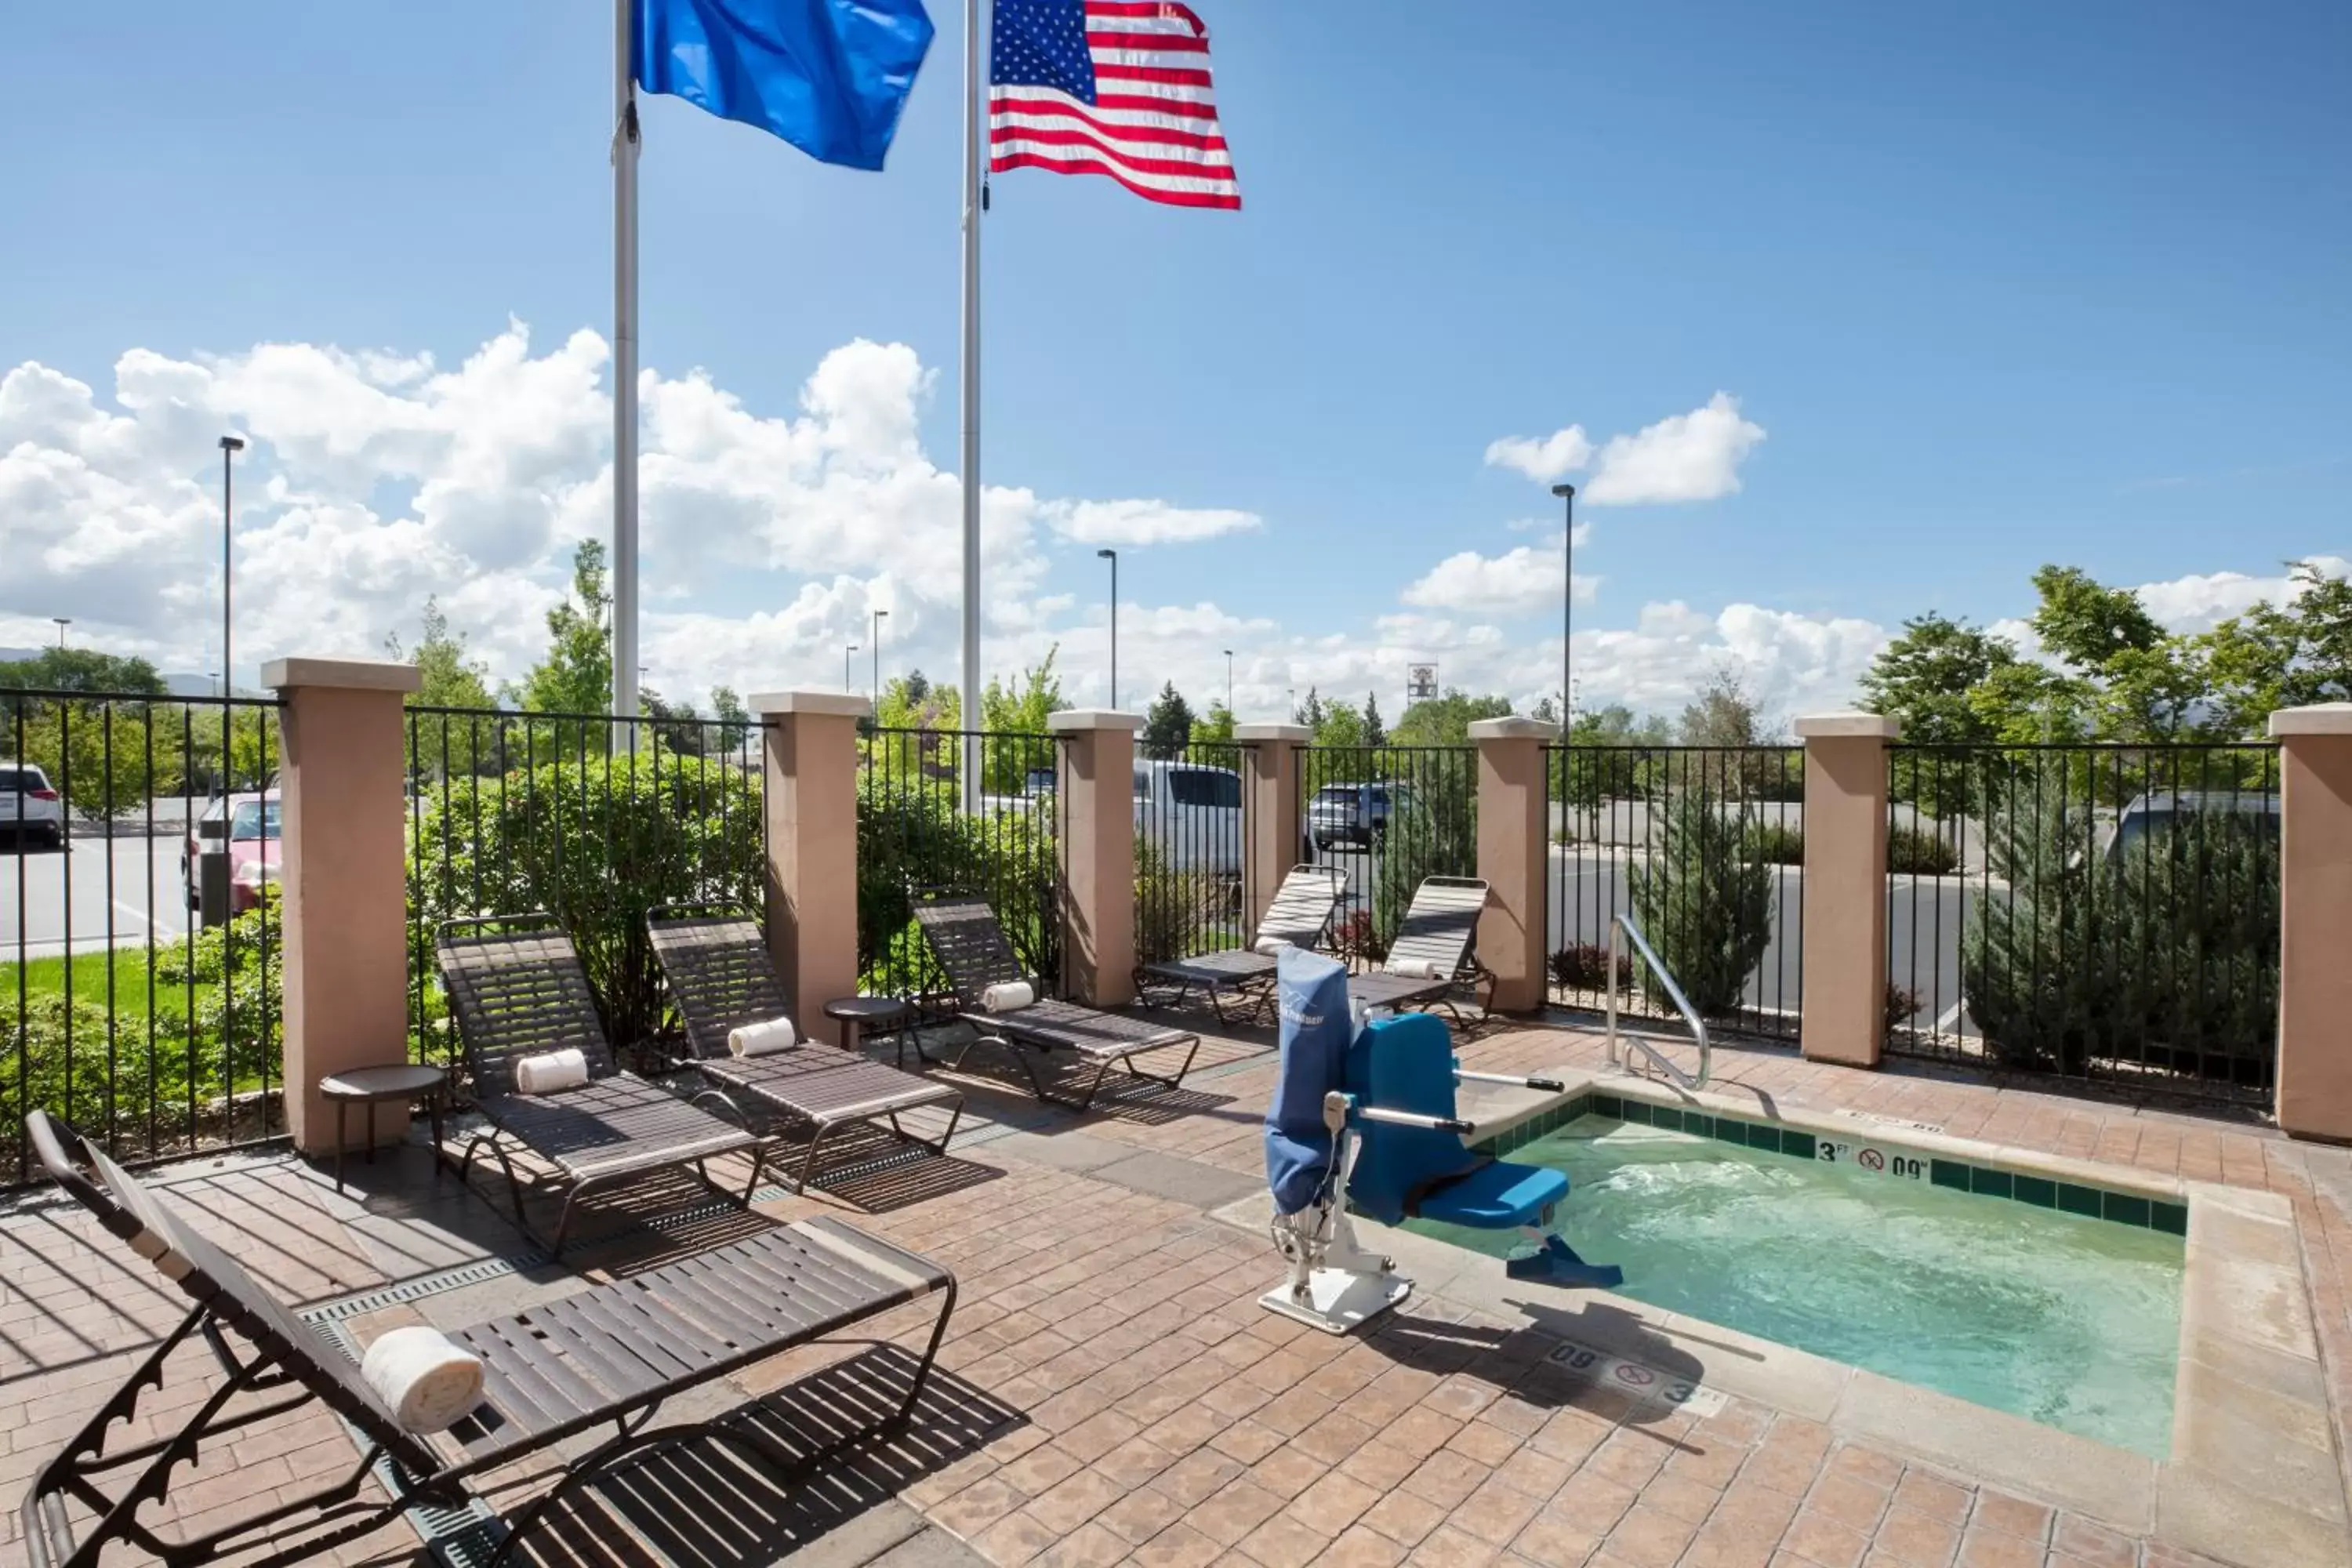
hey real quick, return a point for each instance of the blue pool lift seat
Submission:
(1422, 1168)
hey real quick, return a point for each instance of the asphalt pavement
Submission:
(98, 892)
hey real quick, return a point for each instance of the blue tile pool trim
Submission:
(1982, 1181)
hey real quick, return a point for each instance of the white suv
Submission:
(29, 808)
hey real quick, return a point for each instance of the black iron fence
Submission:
(1190, 851)
(139, 929)
(917, 829)
(1703, 848)
(592, 818)
(1389, 816)
(2088, 912)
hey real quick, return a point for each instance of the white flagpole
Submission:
(624, 368)
(975, 148)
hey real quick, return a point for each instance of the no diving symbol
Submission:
(1639, 1377)
(1871, 1160)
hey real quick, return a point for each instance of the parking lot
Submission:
(96, 892)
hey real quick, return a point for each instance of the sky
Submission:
(1835, 312)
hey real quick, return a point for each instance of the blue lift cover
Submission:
(1311, 994)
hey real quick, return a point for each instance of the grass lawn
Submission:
(47, 977)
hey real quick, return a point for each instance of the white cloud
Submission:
(1689, 457)
(1542, 459)
(2199, 603)
(1125, 522)
(1517, 583)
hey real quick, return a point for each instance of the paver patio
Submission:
(1113, 1393)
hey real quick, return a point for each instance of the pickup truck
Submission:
(1192, 814)
(1353, 813)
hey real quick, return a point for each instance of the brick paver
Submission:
(1153, 1414)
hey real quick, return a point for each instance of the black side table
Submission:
(373, 1087)
(870, 1013)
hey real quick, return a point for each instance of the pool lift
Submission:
(1364, 1116)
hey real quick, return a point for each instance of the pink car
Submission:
(247, 827)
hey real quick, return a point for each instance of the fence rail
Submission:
(1389, 816)
(1189, 855)
(156, 1035)
(2104, 912)
(914, 832)
(1705, 846)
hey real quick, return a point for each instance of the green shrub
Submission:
(1178, 913)
(1704, 902)
(596, 841)
(1776, 843)
(2163, 953)
(912, 836)
(1432, 831)
(1584, 966)
(1916, 852)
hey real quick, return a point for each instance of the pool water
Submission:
(2070, 1322)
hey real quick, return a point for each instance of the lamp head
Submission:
(232, 443)
(1565, 493)
(1108, 554)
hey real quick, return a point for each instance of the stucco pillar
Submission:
(1845, 998)
(342, 881)
(812, 811)
(1098, 855)
(2315, 1043)
(1273, 830)
(1513, 850)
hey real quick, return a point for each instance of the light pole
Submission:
(1112, 556)
(229, 447)
(878, 617)
(1567, 494)
(1229, 681)
(846, 676)
(63, 622)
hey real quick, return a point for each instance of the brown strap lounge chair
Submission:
(970, 946)
(1440, 935)
(519, 992)
(716, 962)
(1300, 914)
(606, 1357)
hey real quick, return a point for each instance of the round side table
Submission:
(373, 1087)
(870, 1013)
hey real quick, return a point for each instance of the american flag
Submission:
(1110, 87)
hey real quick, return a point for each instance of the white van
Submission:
(1192, 813)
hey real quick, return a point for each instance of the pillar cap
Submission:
(1848, 726)
(1244, 733)
(1517, 727)
(839, 704)
(343, 674)
(1071, 718)
(2318, 719)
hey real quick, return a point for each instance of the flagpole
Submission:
(975, 144)
(625, 368)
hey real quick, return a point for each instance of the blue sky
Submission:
(2003, 285)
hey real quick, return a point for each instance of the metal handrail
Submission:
(1624, 923)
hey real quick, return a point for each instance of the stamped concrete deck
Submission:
(1112, 1392)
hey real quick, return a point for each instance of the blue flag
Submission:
(828, 76)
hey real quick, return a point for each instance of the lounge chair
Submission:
(1299, 915)
(608, 1355)
(970, 946)
(520, 992)
(1435, 949)
(716, 963)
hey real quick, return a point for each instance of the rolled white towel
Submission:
(761, 1039)
(551, 1070)
(1418, 969)
(1008, 996)
(427, 1380)
(1270, 946)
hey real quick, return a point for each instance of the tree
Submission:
(736, 720)
(1339, 727)
(1375, 733)
(1215, 728)
(1445, 720)
(100, 756)
(447, 678)
(1024, 712)
(2282, 656)
(1309, 712)
(911, 701)
(576, 676)
(1168, 726)
(1705, 900)
(1927, 679)
(2084, 623)
(82, 670)
(675, 725)
(1723, 714)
